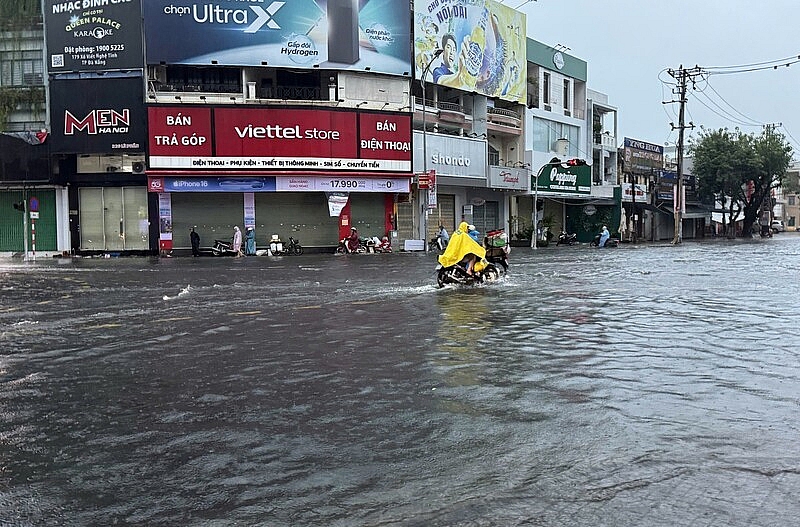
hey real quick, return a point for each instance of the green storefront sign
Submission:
(564, 179)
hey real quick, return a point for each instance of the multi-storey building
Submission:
(309, 122)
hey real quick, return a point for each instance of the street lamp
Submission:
(424, 202)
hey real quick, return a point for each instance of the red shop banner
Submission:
(180, 131)
(280, 139)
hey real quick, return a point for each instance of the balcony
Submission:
(503, 117)
(606, 141)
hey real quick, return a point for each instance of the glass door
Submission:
(114, 219)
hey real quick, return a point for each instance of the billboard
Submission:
(98, 115)
(270, 139)
(483, 45)
(362, 35)
(562, 178)
(92, 35)
(643, 158)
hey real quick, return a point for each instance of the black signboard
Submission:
(98, 116)
(93, 35)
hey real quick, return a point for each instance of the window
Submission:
(791, 201)
(566, 94)
(21, 71)
(546, 88)
(546, 133)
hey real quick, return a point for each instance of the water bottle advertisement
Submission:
(332, 34)
(482, 43)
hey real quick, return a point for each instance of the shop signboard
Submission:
(94, 35)
(252, 184)
(509, 178)
(484, 46)
(280, 139)
(564, 179)
(451, 156)
(98, 115)
(372, 35)
(643, 158)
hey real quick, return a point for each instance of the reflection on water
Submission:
(639, 386)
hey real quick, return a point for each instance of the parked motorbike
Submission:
(222, 248)
(567, 239)
(293, 247)
(611, 242)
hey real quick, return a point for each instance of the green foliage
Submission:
(728, 163)
(12, 98)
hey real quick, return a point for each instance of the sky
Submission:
(629, 44)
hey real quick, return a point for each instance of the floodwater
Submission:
(638, 386)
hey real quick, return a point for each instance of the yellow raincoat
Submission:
(459, 246)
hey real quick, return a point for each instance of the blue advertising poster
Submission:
(333, 34)
(217, 184)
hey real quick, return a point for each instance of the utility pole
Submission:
(682, 76)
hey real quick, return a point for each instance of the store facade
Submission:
(307, 173)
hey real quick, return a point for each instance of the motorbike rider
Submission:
(351, 242)
(463, 249)
(604, 236)
(443, 237)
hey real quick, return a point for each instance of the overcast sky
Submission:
(628, 45)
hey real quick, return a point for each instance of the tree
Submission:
(740, 171)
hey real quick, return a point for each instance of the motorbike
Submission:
(342, 248)
(278, 248)
(497, 248)
(437, 243)
(452, 269)
(611, 242)
(222, 248)
(457, 274)
(293, 247)
(567, 239)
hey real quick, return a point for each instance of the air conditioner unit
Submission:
(138, 167)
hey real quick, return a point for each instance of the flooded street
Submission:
(644, 385)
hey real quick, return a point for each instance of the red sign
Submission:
(384, 136)
(275, 132)
(427, 180)
(179, 131)
(279, 139)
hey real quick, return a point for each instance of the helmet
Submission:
(471, 227)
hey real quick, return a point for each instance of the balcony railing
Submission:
(504, 117)
(293, 93)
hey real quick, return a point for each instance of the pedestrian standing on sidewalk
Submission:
(237, 241)
(195, 239)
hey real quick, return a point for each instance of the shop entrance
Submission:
(113, 219)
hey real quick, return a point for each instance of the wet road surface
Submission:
(645, 385)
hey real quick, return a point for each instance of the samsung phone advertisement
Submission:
(372, 35)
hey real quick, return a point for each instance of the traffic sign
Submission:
(34, 205)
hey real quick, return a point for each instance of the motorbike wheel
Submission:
(490, 274)
(216, 252)
(440, 281)
(298, 249)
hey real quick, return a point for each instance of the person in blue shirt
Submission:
(474, 234)
(604, 236)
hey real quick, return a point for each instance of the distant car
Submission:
(778, 226)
